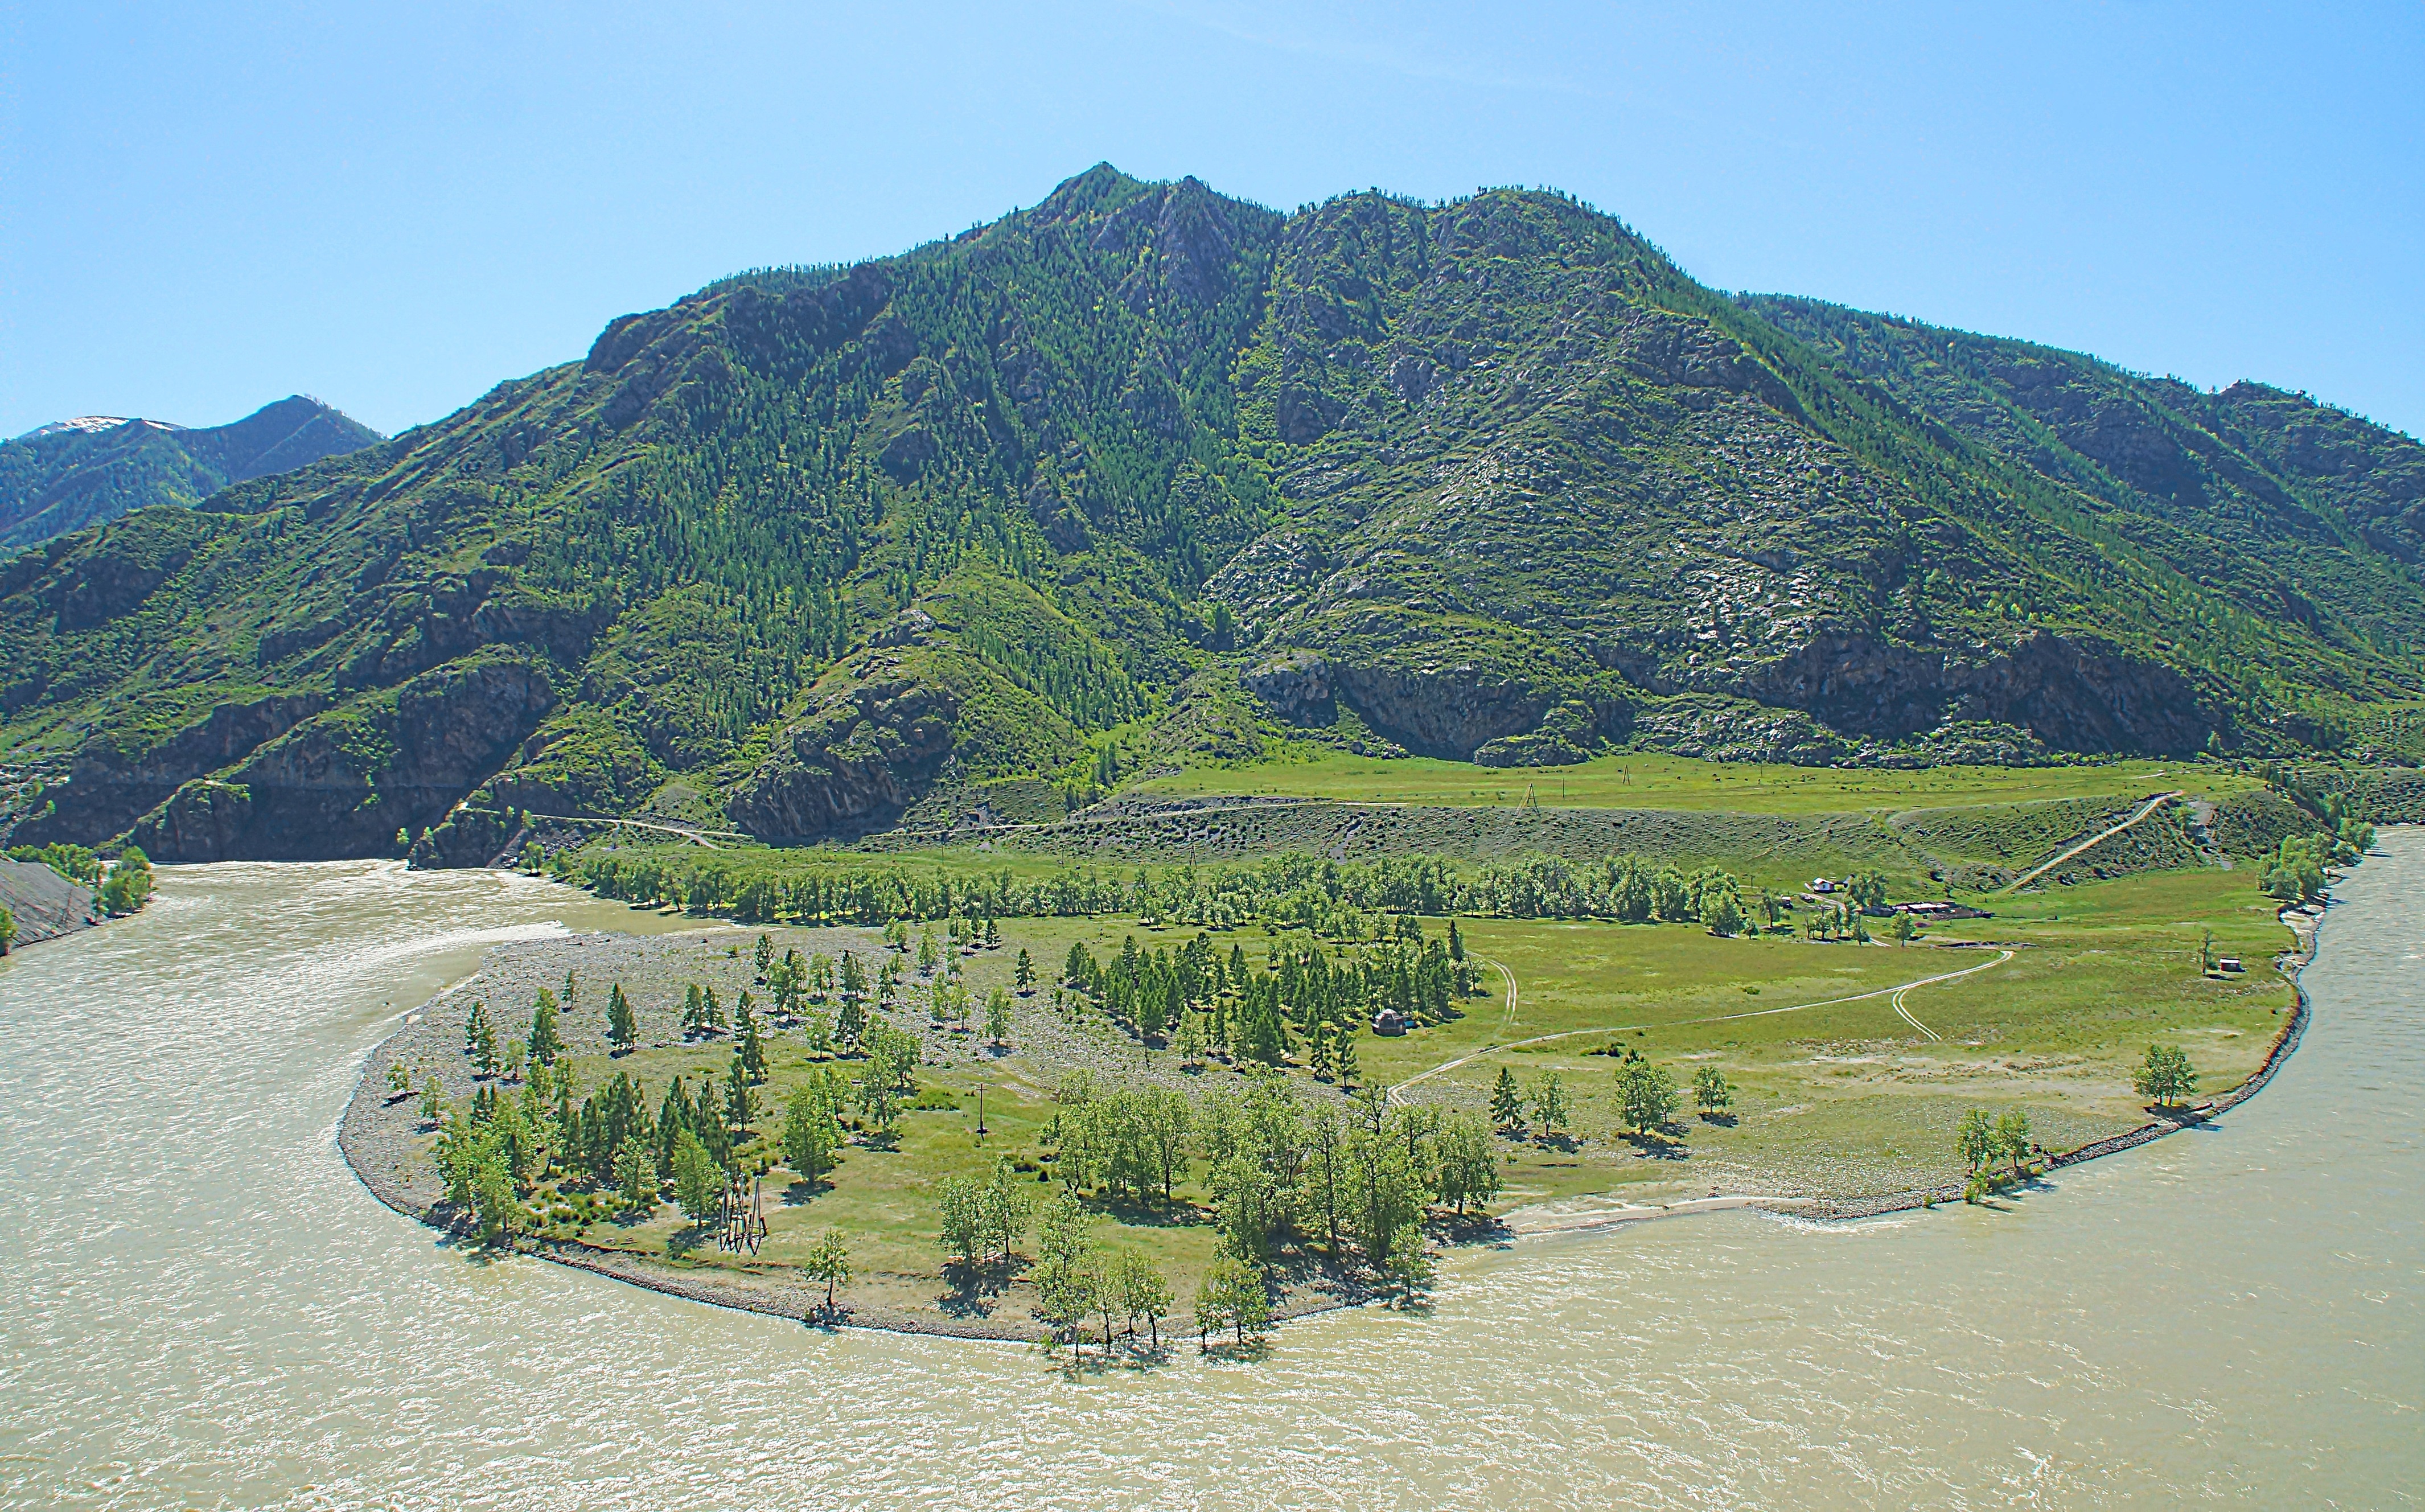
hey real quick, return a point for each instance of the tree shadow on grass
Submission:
(1724, 1120)
(1180, 1213)
(799, 1192)
(1654, 1144)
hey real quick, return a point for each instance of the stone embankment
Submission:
(44, 904)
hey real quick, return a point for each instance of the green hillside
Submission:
(1145, 479)
(81, 472)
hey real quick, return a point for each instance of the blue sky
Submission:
(204, 208)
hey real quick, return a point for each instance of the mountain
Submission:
(1147, 476)
(84, 471)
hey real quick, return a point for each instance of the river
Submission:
(203, 1308)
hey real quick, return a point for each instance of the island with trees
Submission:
(1004, 1094)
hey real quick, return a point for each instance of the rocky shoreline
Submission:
(45, 905)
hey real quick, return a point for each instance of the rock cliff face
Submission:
(106, 789)
(2070, 693)
(345, 784)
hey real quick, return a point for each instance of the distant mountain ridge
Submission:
(1146, 475)
(71, 473)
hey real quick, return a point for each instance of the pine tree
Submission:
(698, 1180)
(622, 1027)
(483, 1049)
(1024, 975)
(752, 1057)
(545, 1043)
(740, 1107)
(1343, 1056)
(764, 957)
(998, 1016)
(1506, 1103)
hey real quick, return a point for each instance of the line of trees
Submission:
(1339, 900)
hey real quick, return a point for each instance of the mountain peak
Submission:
(76, 473)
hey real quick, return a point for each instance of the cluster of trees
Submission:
(1132, 1142)
(74, 863)
(986, 1217)
(1077, 1278)
(495, 1147)
(2335, 809)
(1340, 900)
(1984, 1142)
(1285, 1174)
(1301, 998)
(2294, 873)
(2165, 1077)
(128, 885)
(1545, 1099)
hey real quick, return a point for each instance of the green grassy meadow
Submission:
(1652, 781)
(1840, 1099)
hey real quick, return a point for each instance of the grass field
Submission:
(1833, 1097)
(1850, 1099)
(1649, 780)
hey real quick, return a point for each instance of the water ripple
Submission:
(205, 1309)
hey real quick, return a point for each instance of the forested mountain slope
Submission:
(1148, 473)
(82, 473)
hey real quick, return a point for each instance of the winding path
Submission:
(1506, 1019)
(1909, 1019)
(2092, 842)
(1895, 992)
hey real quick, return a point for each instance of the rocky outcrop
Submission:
(1295, 686)
(1566, 734)
(1459, 710)
(1444, 711)
(344, 783)
(867, 752)
(2072, 694)
(108, 789)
